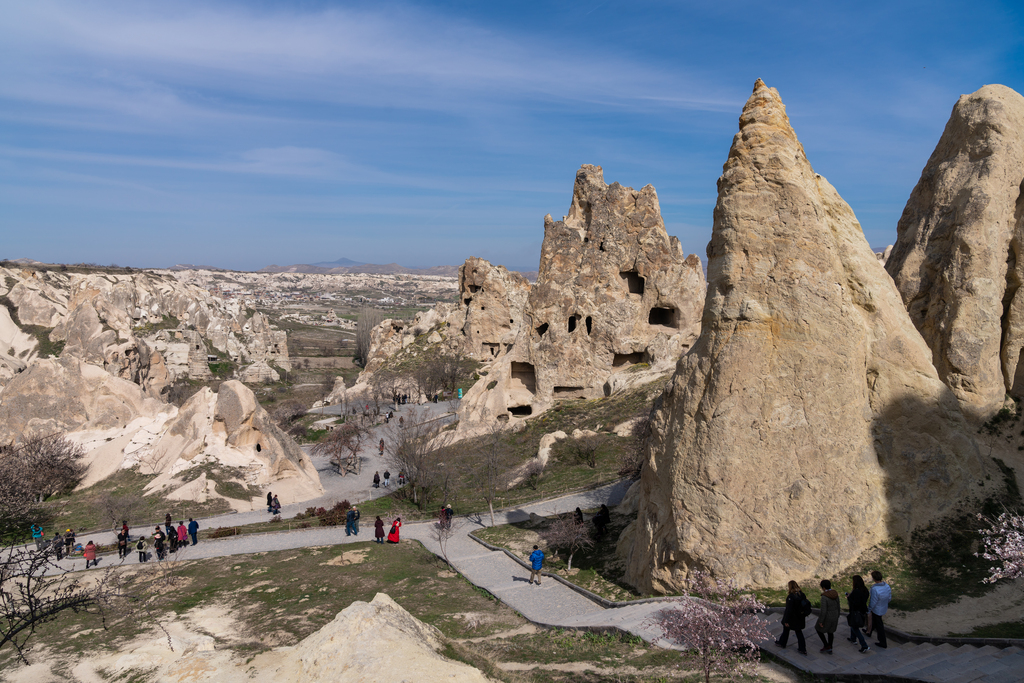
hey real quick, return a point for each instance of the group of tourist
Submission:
(387, 479)
(169, 538)
(866, 609)
(273, 504)
(392, 535)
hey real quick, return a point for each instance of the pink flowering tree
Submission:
(719, 626)
(1004, 544)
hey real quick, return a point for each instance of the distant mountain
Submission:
(342, 262)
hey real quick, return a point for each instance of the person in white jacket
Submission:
(878, 605)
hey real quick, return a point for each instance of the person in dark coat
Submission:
(171, 536)
(387, 478)
(193, 530)
(828, 617)
(350, 521)
(393, 534)
(69, 542)
(158, 543)
(578, 516)
(122, 545)
(857, 601)
(378, 530)
(376, 480)
(270, 501)
(793, 618)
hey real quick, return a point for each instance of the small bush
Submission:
(224, 532)
(276, 519)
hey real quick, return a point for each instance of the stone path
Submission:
(555, 604)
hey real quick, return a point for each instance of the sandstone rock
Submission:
(379, 642)
(957, 260)
(16, 347)
(614, 292)
(491, 308)
(259, 372)
(807, 422)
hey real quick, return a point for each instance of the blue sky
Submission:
(245, 134)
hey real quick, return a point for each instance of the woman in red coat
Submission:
(395, 526)
(90, 554)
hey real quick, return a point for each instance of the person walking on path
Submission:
(37, 536)
(381, 446)
(270, 501)
(90, 554)
(793, 619)
(387, 478)
(393, 534)
(57, 543)
(142, 546)
(193, 530)
(828, 619)
(355, 522)
(158, 543)
(171, 536)
(125, 530)
(275, 506)
(182, 533)
(376, 480)
(122, 545)
(536, 562)
(401, 478)
(378, 530)
(350, 521)
(878, 605)
(857, 601)
(601, 520)
(69, 542)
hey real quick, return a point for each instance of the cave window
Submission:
(259, 448)
(490, 349)
(665, 317)
(572, 324)
(467, 300)
(634, 281)
(590, 324)
(542, 329)
(521, 411)
(197, 347)
(511, 321)
(473, 289)
(526, 375)
(600, 247)
(622, 359)
(483, 308)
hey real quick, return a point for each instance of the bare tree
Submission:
(585, 448)
(286, 413)
(118, 508)
(33, 470)
(567, 533)
(419, 449)
(450, 368)
(35, 590)
(494, 465)
(369, 318)
(442, 531)
(342, 447)
(384, 384)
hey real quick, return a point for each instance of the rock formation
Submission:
(614, 291)
(120, 426)
(491, 305)
(958, 261)
(807, 422)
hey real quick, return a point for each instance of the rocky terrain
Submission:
(958, 259)
(113, 342)
(807, 423)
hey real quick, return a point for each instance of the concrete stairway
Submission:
(922, 662)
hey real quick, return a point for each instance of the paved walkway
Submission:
(555, 604)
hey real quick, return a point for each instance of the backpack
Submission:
(805, 606)
(141, 545)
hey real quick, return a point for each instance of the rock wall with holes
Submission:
(614, 294)
(492, 301)
(957, 260)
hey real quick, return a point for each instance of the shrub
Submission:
(223, 532)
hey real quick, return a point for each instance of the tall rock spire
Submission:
(807, 422)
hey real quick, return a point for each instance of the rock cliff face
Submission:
(958, 259)
(614, 291)
(807, 422)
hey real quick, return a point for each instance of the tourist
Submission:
(158, 543)
(182, 533)
(828, 616)
(141, 547)
(167, 519)
(270, 501)
(797, 609)
(601, 520)
(90, 554)
(275, 506)
(401, 478)
(122, 545)
(446, 516)
(193, 530)
(69, 542)
(37, 536)
(378, 530)
(376, 480)
(578, 516)
(57, 544)
(355, 522)
(350, 521)
(857, 601)
(393, 534)
(387, 478)
(172, 536)
(536, 562)
(381, 447)
(878, 605)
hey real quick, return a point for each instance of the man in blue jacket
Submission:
(536, 561)
(878, 605)
(193, 529)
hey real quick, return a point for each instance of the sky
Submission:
(244, 134)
